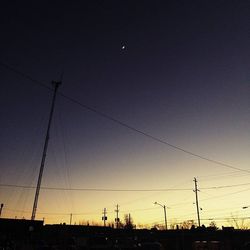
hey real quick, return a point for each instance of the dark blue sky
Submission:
(182, 77)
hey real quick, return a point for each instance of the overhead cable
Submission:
(123, 190)
(121, 123)
(96, 189)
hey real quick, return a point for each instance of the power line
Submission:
(226, 186)
(52, 213)
(123, 190)
(227, 218)
(151, 136)
(228, 194)
(220, 175)
(18, 72)
(140, 209)
(96, 189)
(123, 124)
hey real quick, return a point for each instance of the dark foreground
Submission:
(29, 235)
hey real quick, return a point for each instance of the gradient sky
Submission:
(182, 77)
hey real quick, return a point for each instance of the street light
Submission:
(165, 213)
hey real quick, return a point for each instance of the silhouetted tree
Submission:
(238, 223)
(128, 222)
(213, 225)
(187, 224)
(160, 227)
(142, 226)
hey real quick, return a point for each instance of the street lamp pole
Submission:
(165, 213)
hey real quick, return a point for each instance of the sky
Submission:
(153, 94)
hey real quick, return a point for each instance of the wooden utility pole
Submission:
(55, 84)
(1, 209)
(197, 201)
(117, 220)
(104, 217)
(70, 221)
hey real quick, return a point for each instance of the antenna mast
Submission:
(55, 84)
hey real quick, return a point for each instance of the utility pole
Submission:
(104, 217)
(197, 202)
(55, 84)
(1, 209)
(70, 221)
(117, 220)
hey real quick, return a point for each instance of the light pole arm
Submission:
(165, 214)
